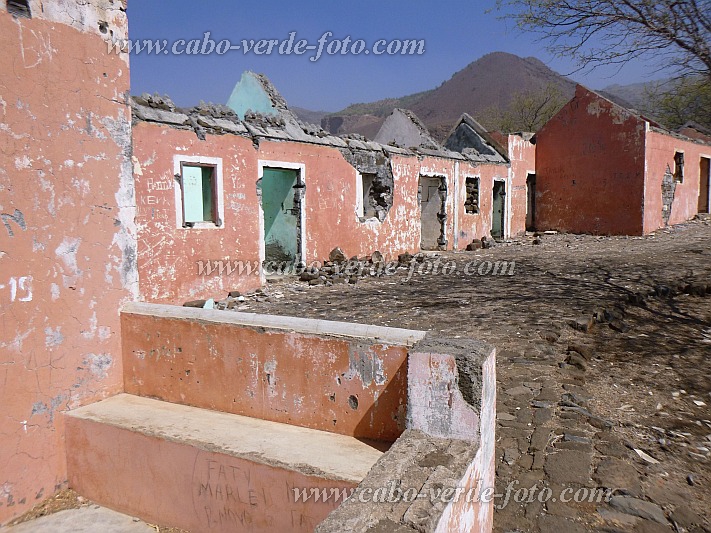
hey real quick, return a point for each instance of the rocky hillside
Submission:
(490, 82)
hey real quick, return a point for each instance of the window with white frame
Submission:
(199, 192)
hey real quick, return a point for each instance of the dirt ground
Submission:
(604, 350)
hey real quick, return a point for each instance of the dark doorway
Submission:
(498, 215)
(704, 179)
(432, 193)
(531, 202)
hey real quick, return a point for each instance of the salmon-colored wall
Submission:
(590, 168)
(660, 150)
(476, 226)
(285, 377)
(67, 242)
(522, 154)
(474, 509)
(183, 486)
(168, 257)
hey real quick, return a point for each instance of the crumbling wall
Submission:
(474, 226)
(522, 154)
(668, 190)
(590, 161)
(331, 199)
(668, 200)
(67, 238)
(182, 265)
(375, 165)
(436, 476)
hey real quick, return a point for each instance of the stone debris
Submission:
(337, 256)
(195, 303)
(640, 508)
(646, 457)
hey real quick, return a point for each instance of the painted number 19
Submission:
(20, 289)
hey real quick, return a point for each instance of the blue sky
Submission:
(456, 33)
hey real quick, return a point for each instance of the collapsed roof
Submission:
(469, 138)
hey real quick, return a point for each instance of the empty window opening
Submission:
(432, 195)
(679, 167)
(19, 8)
(471, 204)
(377, 197)
(198, 185)
(704, 185)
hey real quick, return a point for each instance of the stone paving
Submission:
(603, 369)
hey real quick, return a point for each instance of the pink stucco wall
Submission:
(175, 484)
(168, 256)
(335, 384)
(590, 168)
(522, 155)
(478, 225)
(659, 154)
(67, 242)
(600, 170)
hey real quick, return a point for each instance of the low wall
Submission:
(439, 475)
(434, 397)
(343, 378)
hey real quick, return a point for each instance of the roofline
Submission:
(467, 119)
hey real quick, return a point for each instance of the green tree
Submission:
(527, 111)
(683, 100)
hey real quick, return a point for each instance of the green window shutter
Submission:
(207, 188)
(193, 194)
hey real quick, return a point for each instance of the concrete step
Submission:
(87, 519)
(203, 470)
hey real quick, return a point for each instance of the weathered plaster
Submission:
(66, 203)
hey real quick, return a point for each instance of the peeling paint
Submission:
(57, 156)
(99, 364)
(365, 364)
(67, 252)
(41, 408)
(53, 337)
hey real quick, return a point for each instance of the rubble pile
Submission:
(339, 270)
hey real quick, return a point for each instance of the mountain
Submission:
(306, 115)
(638, 96)
(489, 83)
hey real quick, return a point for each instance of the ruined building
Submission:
(193, 418)
(250, 183)
(603, 169)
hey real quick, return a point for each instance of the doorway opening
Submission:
(432, 194)
(498, 215)
(282, 198)
(531, 202)
(704, 182)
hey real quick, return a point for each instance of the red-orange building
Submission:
(602, 169)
